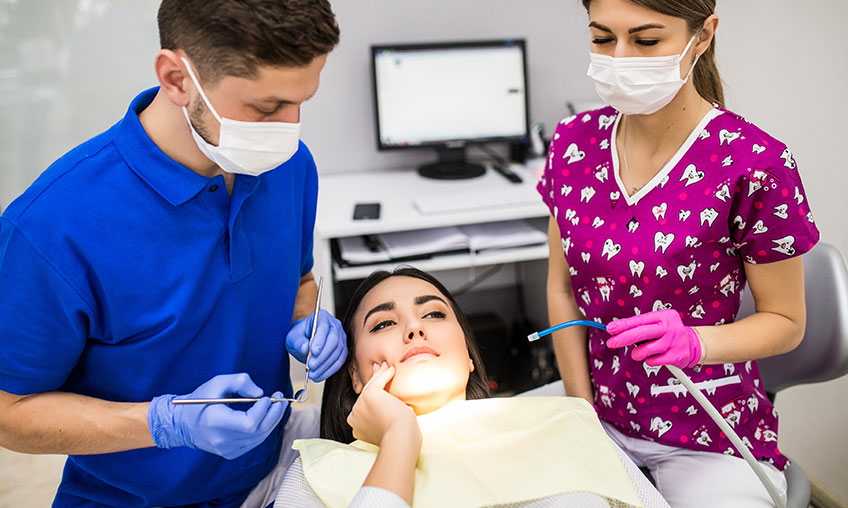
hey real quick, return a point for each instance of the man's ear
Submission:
(353, 372)
(173, 79)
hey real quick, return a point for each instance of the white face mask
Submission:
(638, 85)
(247, 148)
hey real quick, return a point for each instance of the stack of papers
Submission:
(405, 244)
(361, 250)
(502, 235)
(427, 242)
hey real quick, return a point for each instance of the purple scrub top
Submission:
(730, 195)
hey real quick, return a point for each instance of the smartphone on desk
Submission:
(366, 211)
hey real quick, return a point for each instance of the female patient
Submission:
(412, 353)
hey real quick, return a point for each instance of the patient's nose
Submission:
(419, 332)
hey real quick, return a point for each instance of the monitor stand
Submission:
(451, 166)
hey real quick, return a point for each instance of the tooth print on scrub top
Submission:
(731, 194)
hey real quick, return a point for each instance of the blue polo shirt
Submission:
(124, 275)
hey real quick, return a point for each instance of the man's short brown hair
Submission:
(236, 37)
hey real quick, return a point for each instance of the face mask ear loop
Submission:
(203, 94)
(697, 56)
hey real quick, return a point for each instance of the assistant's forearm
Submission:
(67, 423)
(759, 335)
(570, 345)
(394, 468)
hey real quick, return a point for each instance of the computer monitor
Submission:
(444, 96)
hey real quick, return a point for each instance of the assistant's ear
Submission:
(172, 76)
(705, 38)
(353, 372)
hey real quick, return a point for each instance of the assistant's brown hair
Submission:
(235, 37)
(339, 396)
(694, 12)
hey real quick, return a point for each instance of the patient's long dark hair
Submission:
(339, 396)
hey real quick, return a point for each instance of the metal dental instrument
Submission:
(301, 395)
(703, 401)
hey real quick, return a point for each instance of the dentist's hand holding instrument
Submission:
(319, 342)
(326, 353)
(215, 428)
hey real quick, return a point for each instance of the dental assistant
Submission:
(171, 256)
(664, 205)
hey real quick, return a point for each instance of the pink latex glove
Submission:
(666, 340)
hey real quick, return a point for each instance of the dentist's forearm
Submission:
(307, 293)
(72, 424)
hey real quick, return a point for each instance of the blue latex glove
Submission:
(329, 346)
(215, 428)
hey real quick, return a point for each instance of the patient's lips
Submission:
(418, 351)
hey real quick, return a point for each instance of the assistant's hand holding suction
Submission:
(660, 337)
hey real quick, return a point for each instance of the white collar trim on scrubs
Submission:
(693, 136)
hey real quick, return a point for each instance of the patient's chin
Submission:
(426, 386)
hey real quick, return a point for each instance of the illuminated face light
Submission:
(407, 323)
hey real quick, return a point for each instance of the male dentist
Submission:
(171, 256)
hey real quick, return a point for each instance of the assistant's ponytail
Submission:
(706, 78)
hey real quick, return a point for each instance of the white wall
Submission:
(339, 123)
(786, 69)
(68, 69)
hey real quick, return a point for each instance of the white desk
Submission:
(394, 190)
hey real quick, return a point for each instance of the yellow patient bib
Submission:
(486, 452)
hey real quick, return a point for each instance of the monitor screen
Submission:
(450, 93)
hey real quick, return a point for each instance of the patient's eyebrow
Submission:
(420, 300)
(379, 308)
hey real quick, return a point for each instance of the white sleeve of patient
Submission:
(295, 491)
(377, 498)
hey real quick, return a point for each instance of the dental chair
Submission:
(821, 356)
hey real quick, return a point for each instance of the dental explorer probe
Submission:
(302, 395)
(702, 400)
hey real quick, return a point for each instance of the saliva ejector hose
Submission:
(702, 400)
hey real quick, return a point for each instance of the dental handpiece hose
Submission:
(702, 400)
(730, 433)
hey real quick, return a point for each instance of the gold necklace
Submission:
(634, 188)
